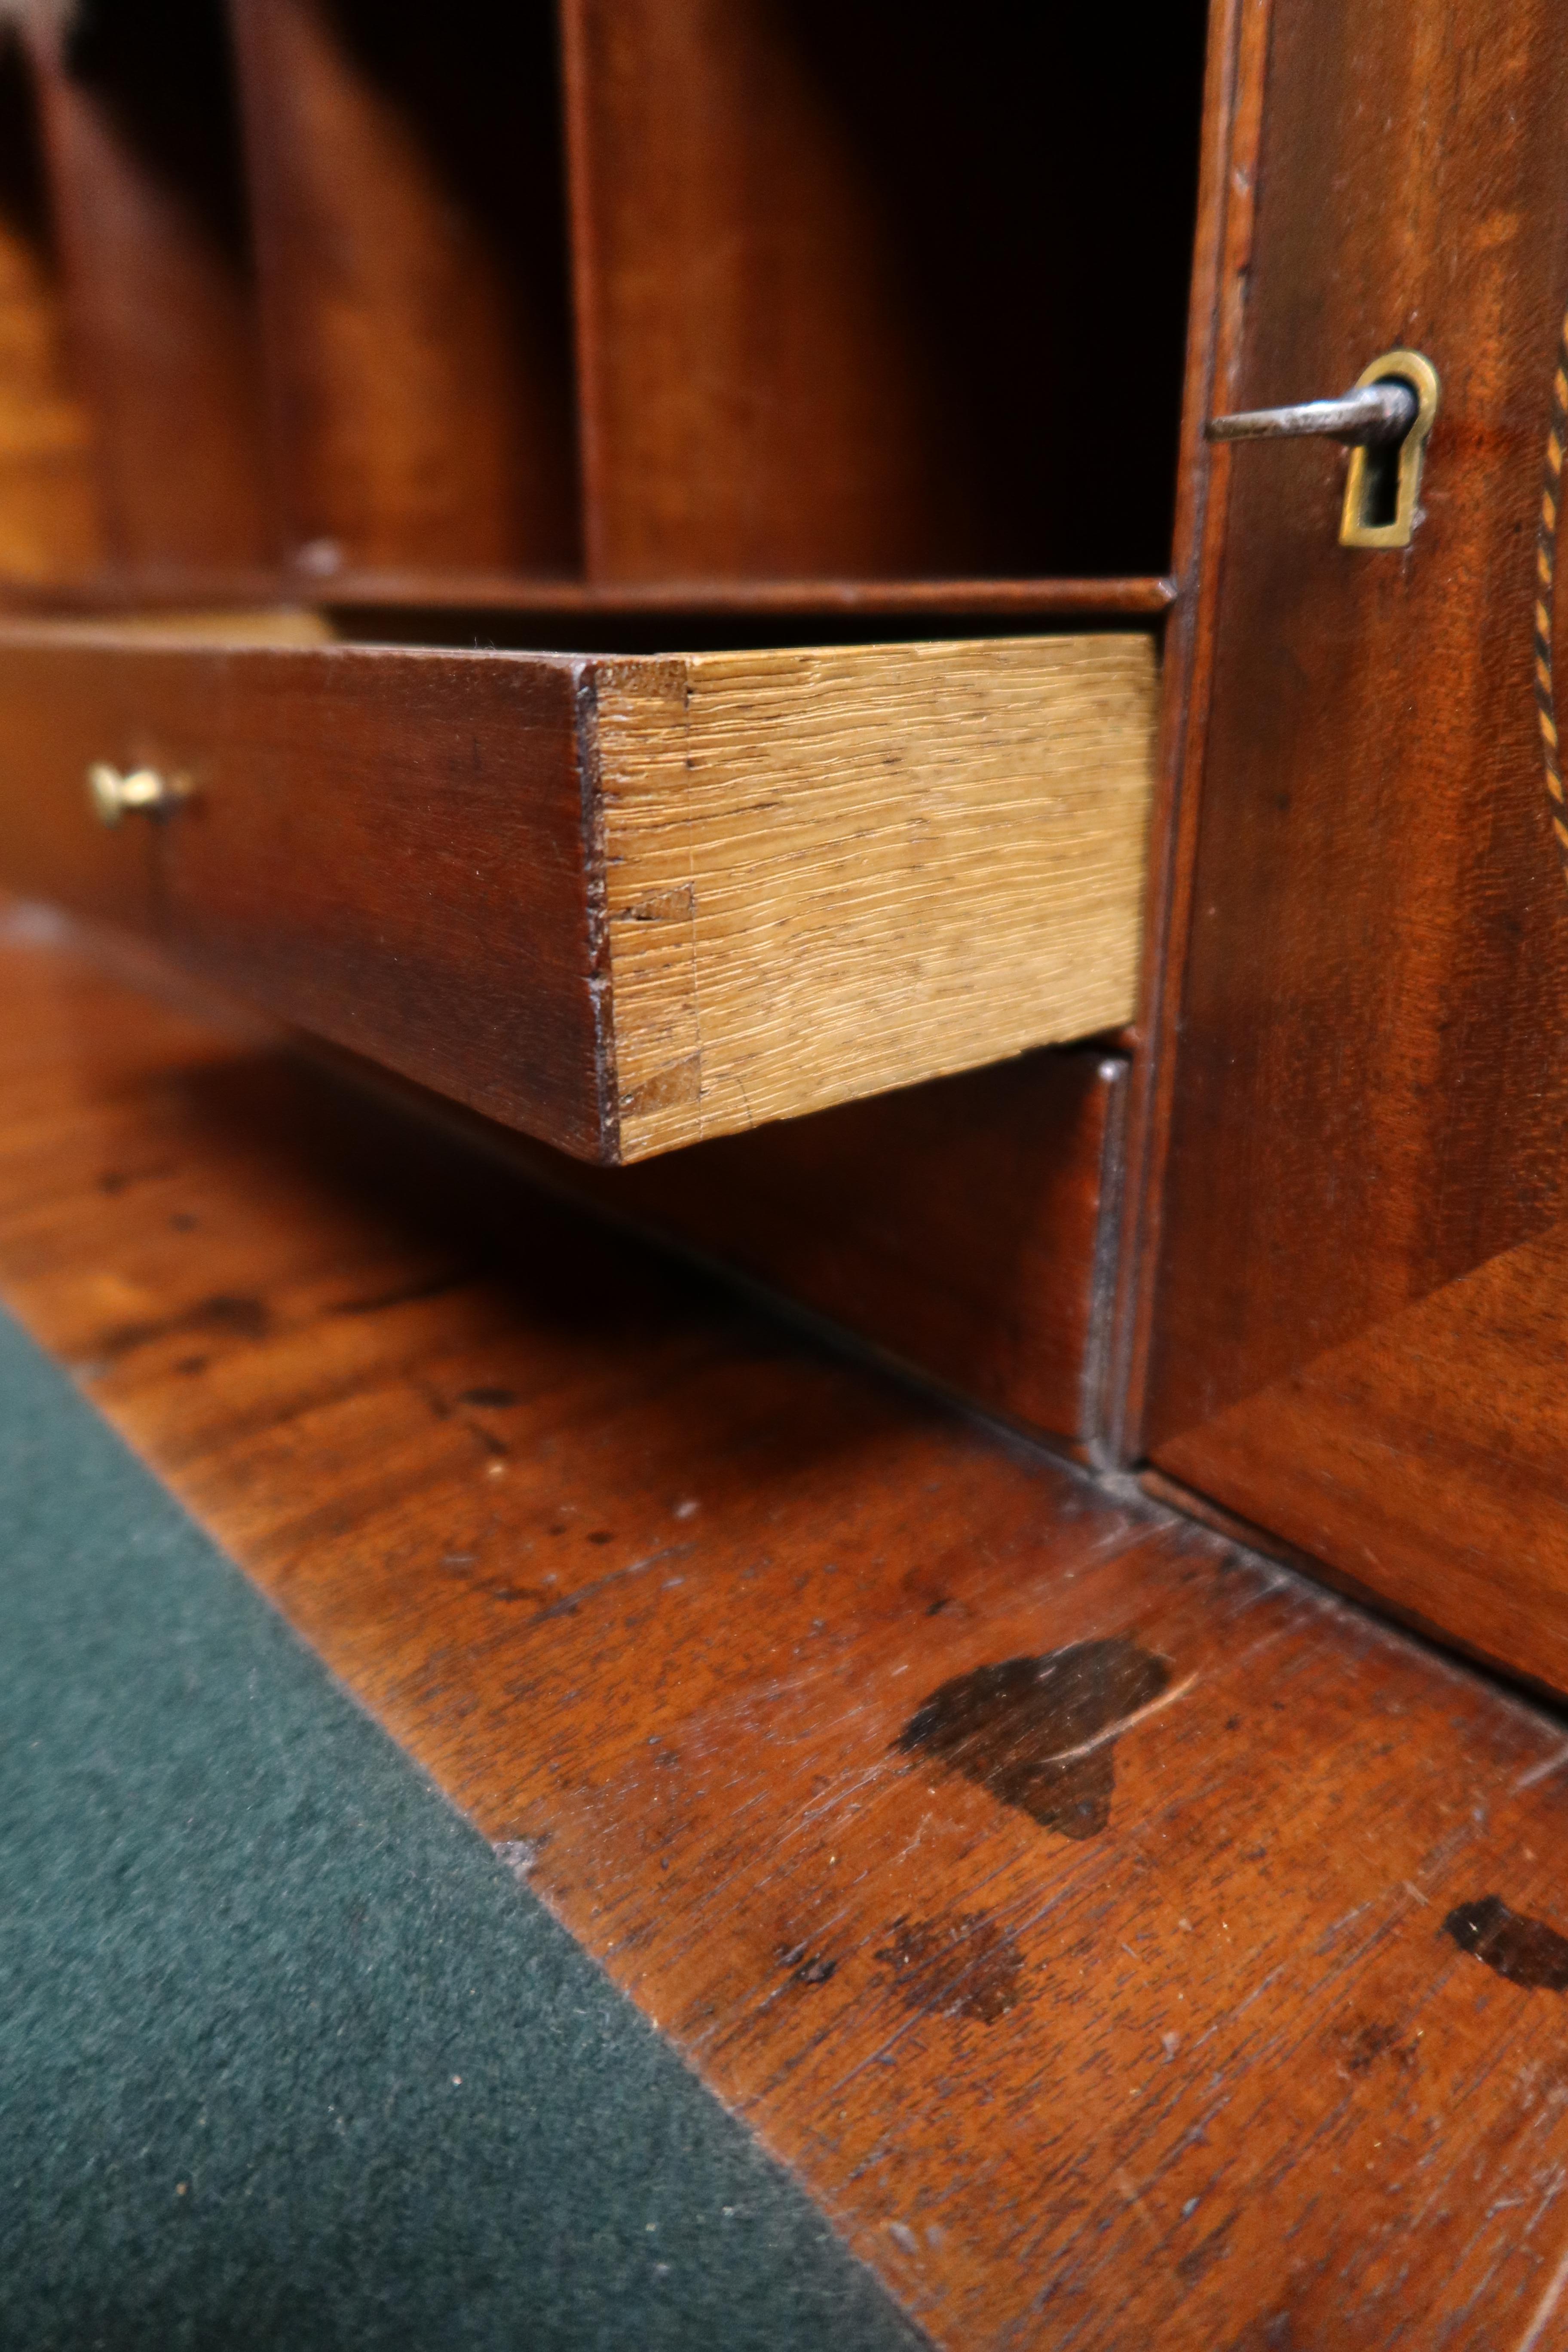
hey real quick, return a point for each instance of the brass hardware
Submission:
(1385, 418)
(1392, 479)
(1380, 413)
(114, 794)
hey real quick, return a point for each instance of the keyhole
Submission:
(1383, 479)
(1380, 480)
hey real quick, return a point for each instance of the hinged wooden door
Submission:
(1360, 1304)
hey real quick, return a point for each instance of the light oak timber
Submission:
(831, 872)
(654, 1592)
(621, 905)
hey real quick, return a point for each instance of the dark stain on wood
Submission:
(409, 1294)
(1209, 2249)
(719, 1779)
(495, 1398)
(115, 1181)
(1368, 2039)
(807, 1967)
(1524, 1951)
(244, 1318)
(962, 1964)
(1040, 1733)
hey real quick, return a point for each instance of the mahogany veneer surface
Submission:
(841, 308)
(408, 196)
(1363, 1042)
(961, 1227)
(50, 521)
(963, 1224)
(1195, 1979)
(140, 136)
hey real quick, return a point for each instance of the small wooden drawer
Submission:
(619, 903)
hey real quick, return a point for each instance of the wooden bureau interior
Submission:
(644, 601)
(650, 572)
(673, 593)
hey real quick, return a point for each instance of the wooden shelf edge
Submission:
(361, 592)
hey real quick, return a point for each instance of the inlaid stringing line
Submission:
(1545, 574)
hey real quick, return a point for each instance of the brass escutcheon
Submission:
(1365, 520)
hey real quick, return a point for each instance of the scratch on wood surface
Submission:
(1541, 1771)
(1129, 1722)
(1341, 1765)
(1540, 2318)
(570, 1602)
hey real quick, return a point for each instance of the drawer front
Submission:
(52, 726)
(383, 846)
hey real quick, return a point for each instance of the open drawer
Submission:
(621, 903)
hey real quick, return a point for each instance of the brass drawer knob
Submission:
(114, 793)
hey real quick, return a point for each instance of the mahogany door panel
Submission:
(1369, 1087)
(1427, 1458)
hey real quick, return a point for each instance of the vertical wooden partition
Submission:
(840, 284)
(48, 505)
(406, 186)
(137, 103)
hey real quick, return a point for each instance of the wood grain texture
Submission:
(1088, 598)
(800, 241)
(833, 872)
(1232, 128)
(407, 202)
(1427, 1458)
(620, 905)
(659, 1596)
(753, 401)
(959, 1225)
(139, 116)
(1369, 1093)
(1379, 950)
(962, 1227)
(50, 524)
(386, 848)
